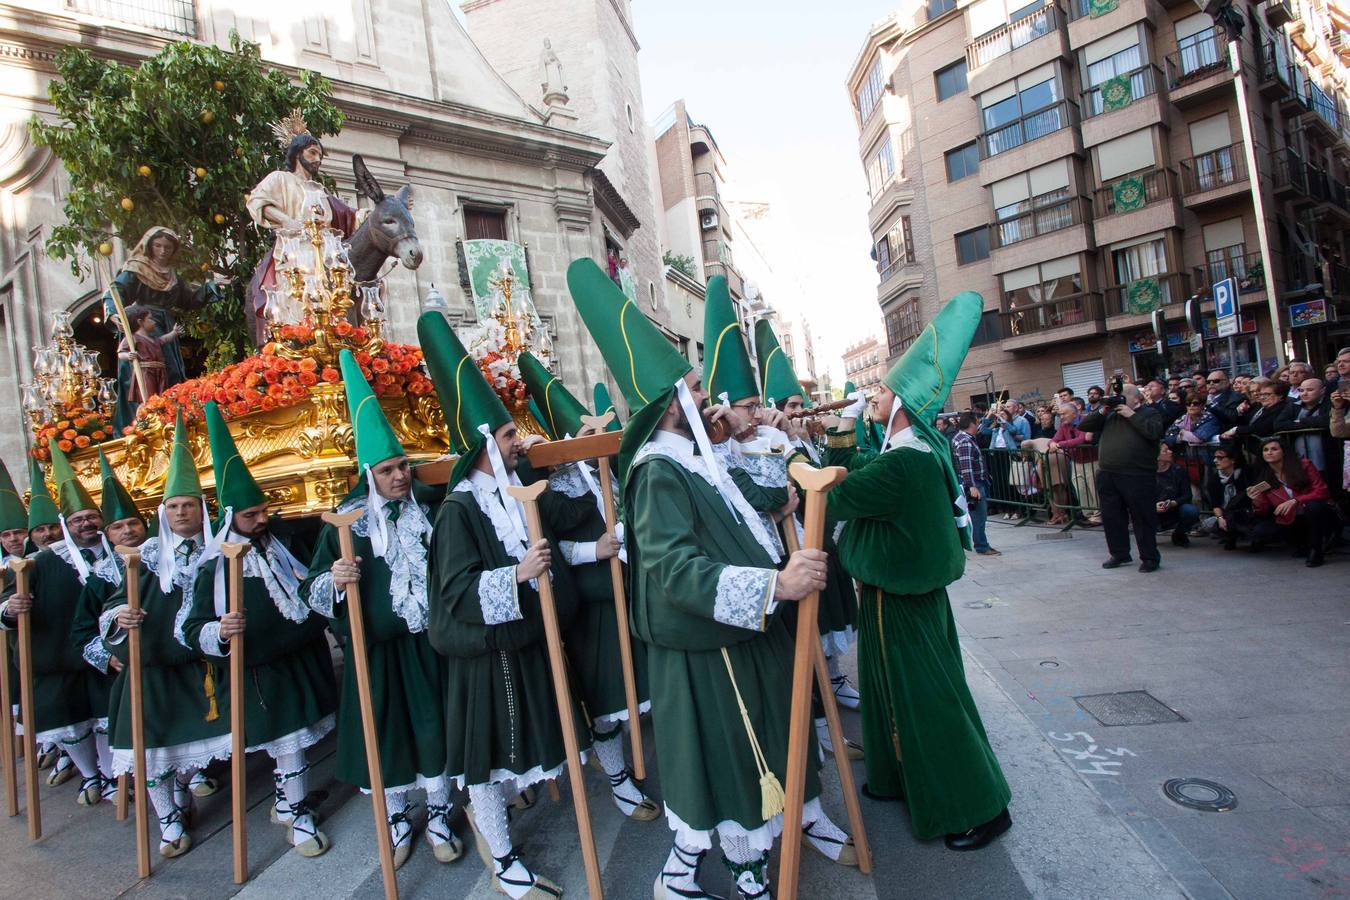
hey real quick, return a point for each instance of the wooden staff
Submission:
(356, 616)
(816, 483)
(132, 557)
(130, 337)
(8, 748)
(234, 559)
(846, 783)
(22, 571)
(620, 607)
(529, 496)
(120, 806)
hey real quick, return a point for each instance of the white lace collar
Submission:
(405, 553)
(484, 489)
(279, 571)
(105, 565)
(680, 450)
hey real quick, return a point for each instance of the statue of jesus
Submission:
(278, 203)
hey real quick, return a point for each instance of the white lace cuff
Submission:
(96, 654)
(745, 596)
(112, 633)
(567, 480)
(579, 553)
(6, 618)
(323, 595)
(498, 597)
(210, 641)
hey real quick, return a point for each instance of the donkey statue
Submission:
(387, 231)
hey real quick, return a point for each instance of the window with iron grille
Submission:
(173, 16)
(903, 326)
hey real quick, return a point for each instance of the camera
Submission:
(1113, 402)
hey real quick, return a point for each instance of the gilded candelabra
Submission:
(516, 336)
(315, 290)
(66, 379)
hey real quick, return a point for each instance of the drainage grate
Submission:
(1200, 793)
(1055, 536)
(1128, 708)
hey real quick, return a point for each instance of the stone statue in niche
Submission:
(553, 85)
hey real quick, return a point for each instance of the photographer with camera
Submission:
(1007, 430)
(1127, 467)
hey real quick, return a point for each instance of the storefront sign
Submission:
(1301, 315)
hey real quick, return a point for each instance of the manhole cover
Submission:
(1200, 793)
(978, 604)
(1055, 536)
(1128, 708)
(1049, 664)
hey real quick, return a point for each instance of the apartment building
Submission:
(1082, 163)
(865, 363)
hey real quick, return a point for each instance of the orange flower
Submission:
(379, 365)
(69, 433)
(79, 422)
(81, 441)
(238, 408)
(98, 434)
(343, 329)
(308, 378)
(64, 423)
(269, 403)
(331, 375)
(65, 446)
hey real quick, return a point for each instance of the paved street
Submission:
(1254, 661)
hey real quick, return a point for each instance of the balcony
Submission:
(1332, 198)
(1135, 192)
(1043, 219)
(1199, 68)
(1247, 269)
(173, 16)
(1029, 127)
(1278, 13)
(1274, 77)
(1003, 40)
(1138, 298)
(1326, 114)
(1289, 175)
(1213, 177)
(1119, 92)
(1058, 320)
(894, 268)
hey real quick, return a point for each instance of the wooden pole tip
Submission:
(528, 493)
(813, 479)
(338, 520)
(599, 423)
(232, 550)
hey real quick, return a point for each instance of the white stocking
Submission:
(104, 752)
(289, 778)
(680, 872)
(823, 834)
(832, 662)
(749, 867)
(170, 822)
(609, 748)
(489, 816)
(396, 810)
(438, 815)
(83, 755)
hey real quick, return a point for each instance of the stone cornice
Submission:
(612, 204)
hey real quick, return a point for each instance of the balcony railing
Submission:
(1247, 269)
(1006, 38)
(1044, 219)
(1119, 92)
(1135, 191)
(1326, 107)
(1092, 8)
(1046, 120)
(1143, 295)
(1215, 169)
(1197, 57)
(1271, 68)
(895, 267)
(1075, 309)
(1290, 172)
(173, 16)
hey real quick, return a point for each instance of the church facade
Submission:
(507, 153)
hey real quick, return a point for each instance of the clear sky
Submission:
(768, 80)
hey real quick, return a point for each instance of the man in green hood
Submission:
(706, 587)
(44, 519)
(905, 504)
(289, 693)
(13, 519)
(407, 677)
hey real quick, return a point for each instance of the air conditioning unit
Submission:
(708, 221)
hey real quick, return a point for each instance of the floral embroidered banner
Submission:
(1128, 194)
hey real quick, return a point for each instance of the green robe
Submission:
(407, 677)
(701, 595)
(186, 726)
(104, 581)
(70, 697)
(501, 716)
(290, 694)
(592, 639)
(901, 544)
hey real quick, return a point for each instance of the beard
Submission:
(311, 168)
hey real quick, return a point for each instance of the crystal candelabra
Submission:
(517, 333)
(66, 379)
(316, 289)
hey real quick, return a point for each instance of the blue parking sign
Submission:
(1225, 298)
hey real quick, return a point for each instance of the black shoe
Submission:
(1314, 559)
(1256, 546)
(882, 798)
(1180, 537)
(1148, 565)
(1116, 562)
(980, 835)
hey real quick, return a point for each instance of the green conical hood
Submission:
(114, 500)
(538, 415)
(643, 362)
(775, 369)
(69, 492)
(560, 410)
(181, 479)
(12, 513)
(41, 509)
(375, 439)
(923, 377)
(467, 400)
(727, 368)
(603, 404)
(235, 486)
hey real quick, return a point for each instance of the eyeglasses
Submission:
(1216, 380)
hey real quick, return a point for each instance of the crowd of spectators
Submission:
(1254, 460)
